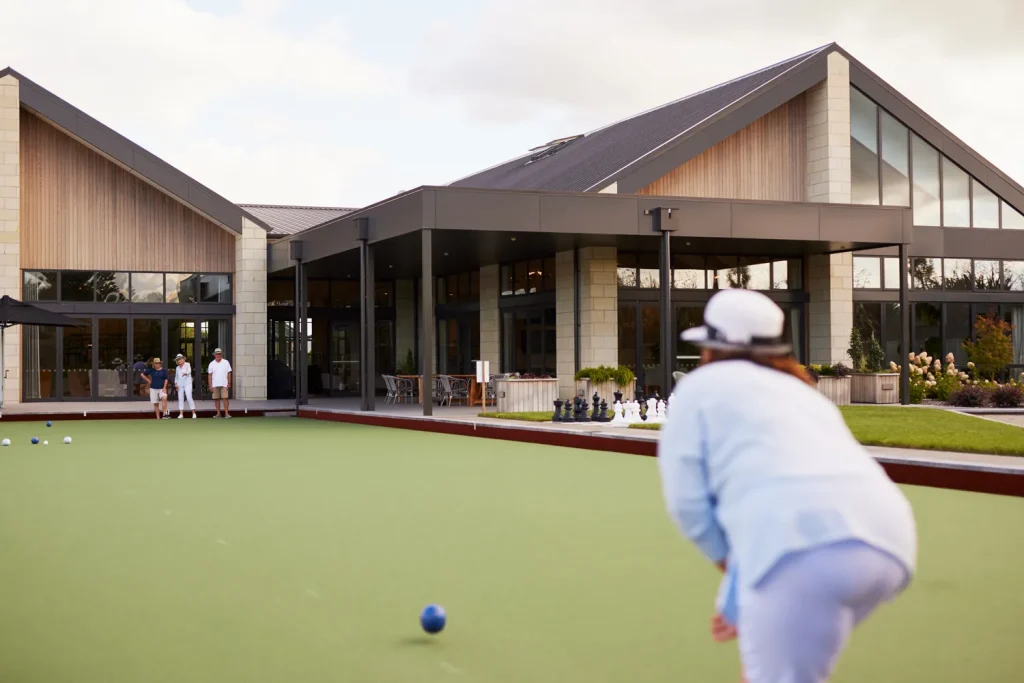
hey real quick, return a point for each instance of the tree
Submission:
(856, 350)
(993, 350)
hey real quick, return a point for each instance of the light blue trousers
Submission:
(795, 623)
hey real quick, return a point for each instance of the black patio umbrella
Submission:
(14, 312)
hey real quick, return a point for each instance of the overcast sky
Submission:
(344, 102)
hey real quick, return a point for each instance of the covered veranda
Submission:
(432, 233)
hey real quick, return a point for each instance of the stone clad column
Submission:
(565, 324)
(490, 321)
(830, 277)
(249, 366)
(599, 307)
(10, 240)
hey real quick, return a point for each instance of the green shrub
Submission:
(993, 350)
(621, 375)
(856, 351)
(408, 366)
(875, 355)
(917, 392)
(944, 387)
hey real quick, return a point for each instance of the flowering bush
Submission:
(993, 350)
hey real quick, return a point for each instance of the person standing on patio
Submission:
(220, 381)
(156, 377)
(183, 383)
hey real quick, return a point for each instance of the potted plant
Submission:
(871, 381)
(605, 381)
(833, 382)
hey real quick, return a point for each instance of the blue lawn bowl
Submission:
(35, 440)
(49, 424)
(433, 619)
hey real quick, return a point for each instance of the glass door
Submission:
(147, 344)
(344, 358)
(77, 356)
(649, 377)
(214, 333)
(280, 359)
(687, 355)
(112, 375)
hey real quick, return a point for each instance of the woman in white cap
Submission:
(183, 383)
(760, 471)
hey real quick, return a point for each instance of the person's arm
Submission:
(146, 379)
(682, 461)
(209, 374)
(229, 379)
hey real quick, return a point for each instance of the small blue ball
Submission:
(35, 439)
(49, 424)
(433, 619)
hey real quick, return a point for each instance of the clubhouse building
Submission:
(812, 180)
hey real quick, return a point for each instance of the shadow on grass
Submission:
(417, 641)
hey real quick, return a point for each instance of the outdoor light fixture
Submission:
(513, 239)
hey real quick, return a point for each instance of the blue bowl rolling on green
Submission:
(270, 550)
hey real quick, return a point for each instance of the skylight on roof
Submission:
(551, 147)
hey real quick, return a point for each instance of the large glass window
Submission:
(891, 268)
(527, 333)
(626, 270)
(722, 272)
(344, 293)
(114, 368)
(927, 329)
(956, 202)
(863, 149)
(111, 288)
(525, 277)
(986, 275)
(688, 272)
(754, 273)
(891, 333)
(650, 273)
(181, 338)
(926, 183)
(147, 288)
(957, 330)
(318, 292)
(895, 162)
(76, 286)
(867, 319)
(926, 273)
(216, 289)
(280, 292)
(1013, 276)
(39, 353)
(39, 285)
(627, 336)
(985, 213)
(687, 355)
(1012, 219)
(956, 274)
(867, 272)
(213, 334)
(77, 359)
(182, 288)
(787, 274)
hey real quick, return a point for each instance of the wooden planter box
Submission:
(835, 389)
(605, 390)
(879, 388)
(526, 395)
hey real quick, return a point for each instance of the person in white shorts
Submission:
(156, 377)
(183, 381)
(220, 381)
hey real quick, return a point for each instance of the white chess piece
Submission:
(652, 408)
(660, 414)
(632, 413)
(618, 412)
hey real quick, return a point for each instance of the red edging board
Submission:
(917, 474)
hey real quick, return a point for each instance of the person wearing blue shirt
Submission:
(761, 473)
(156, 377)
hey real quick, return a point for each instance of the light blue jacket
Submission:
(755, 464)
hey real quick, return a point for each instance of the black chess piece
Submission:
(567, 416)
(577, 404)
(584, 412)
(618, 396)
(639, 396)
(557, 417)
(603, 416)
(595, 400)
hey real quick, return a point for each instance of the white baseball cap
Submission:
(217, 350)
(742, 320)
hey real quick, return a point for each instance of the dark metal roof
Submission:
(289, 220)
(593, 161)
(149, 167)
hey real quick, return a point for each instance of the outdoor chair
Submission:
(457, 388)
(391, 395)
(405, 389)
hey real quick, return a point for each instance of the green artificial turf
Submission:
(522, 417)
(925, 428)
(269, 550)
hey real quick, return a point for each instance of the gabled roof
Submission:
(131, 156)
(290, 220)
(636, 151)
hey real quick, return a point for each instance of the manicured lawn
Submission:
(270, 550)
(902, 427)
(522, 417)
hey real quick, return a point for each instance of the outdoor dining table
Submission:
(419, 385)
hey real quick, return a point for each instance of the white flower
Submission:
(930, 383)
(937, 364)
(912, 357)
(931, 377)
(949, 357)
(893, 366)
(970, 364)
(951, 371)
(963, 375)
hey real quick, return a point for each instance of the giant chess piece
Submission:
(584, 411)
(652, 409)
(576, 408)
(662, 408)
(567, 416)
(633, 413)
(618, 396)
(601, 412)
(557, 417)
(618, 415)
